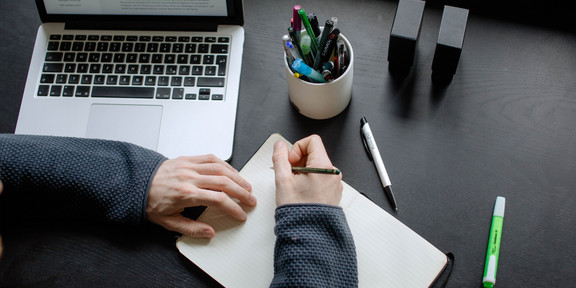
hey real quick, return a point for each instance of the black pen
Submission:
(323, 41)
(374, 155)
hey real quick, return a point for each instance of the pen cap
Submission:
(322, 100)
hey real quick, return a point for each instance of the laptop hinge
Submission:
(148, 26)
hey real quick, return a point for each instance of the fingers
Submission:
(211, 173)
(212, 165)
(310, 152)
(186, 226)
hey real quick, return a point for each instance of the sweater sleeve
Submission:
(62, 177)
(314, 247)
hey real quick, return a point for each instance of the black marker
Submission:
(314, 23)
(328, 47)
(323, 41)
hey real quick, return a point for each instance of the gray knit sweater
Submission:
(97, 180)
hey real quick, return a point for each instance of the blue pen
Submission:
(306, 70)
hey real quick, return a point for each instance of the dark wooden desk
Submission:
(505, 126)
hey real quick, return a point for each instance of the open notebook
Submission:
(241, 255)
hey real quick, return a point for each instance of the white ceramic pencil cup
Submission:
(322, 100)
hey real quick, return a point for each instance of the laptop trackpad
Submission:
(138, 124)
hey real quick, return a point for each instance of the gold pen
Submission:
(315, 170)
(296, 169)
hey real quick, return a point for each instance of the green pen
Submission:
(494, 243)
(308, 27)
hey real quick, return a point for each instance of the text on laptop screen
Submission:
(138, 7)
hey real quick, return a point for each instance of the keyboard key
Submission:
(163, 80)
(65, 46)
(158, 69)
(203, 48)
(124, 80)
(68, 91)
(53, 67)
(219, 49)
(176, 81)
(208, 60)
(54, 56)
(90, 46)
(122, 92)
(82, 91)
(82, 68)
(210, 82)
(157, 58)
(163, 93)
(184, 70)
(223, 39)
(77, 46)
(171, 70)
(94, 57)
(86, 79)
(74, 79)
(47, 78)
(190, 96)
(178, 93)
(190, 48)
(43, 90)
(56, 90)
(150, 81)
(99, 79)
(53, 46)
(69, 57)
(210, 71)
(95, 68)
(218, 97)
(197, 70)
(189, 81)
(61, 78)
(111, 80)
(107, 68)
(102, 46)
(138, 80)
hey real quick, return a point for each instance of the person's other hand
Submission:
(305, 187)
(196, 181)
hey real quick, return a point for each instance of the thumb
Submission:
(282, 167)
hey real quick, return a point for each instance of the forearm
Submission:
(76, 178)
(314, 247)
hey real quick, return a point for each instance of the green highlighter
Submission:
(494, 243)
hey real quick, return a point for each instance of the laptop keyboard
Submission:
(150, 67)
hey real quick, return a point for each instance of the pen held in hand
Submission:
(296, 169)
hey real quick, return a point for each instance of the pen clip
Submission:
(365, 144)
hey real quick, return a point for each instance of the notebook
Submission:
(389, 253)
(161, 74)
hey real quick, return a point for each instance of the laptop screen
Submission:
(138, 7)
(141, 14)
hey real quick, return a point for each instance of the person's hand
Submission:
(196, 181)
(305, 187)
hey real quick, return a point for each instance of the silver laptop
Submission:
(161, 74)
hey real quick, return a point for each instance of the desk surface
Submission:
(505, 126)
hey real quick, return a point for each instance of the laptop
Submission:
(161, 74)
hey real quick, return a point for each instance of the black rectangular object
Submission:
(404, 34)
(450, 42)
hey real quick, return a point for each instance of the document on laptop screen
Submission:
(138, 7)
